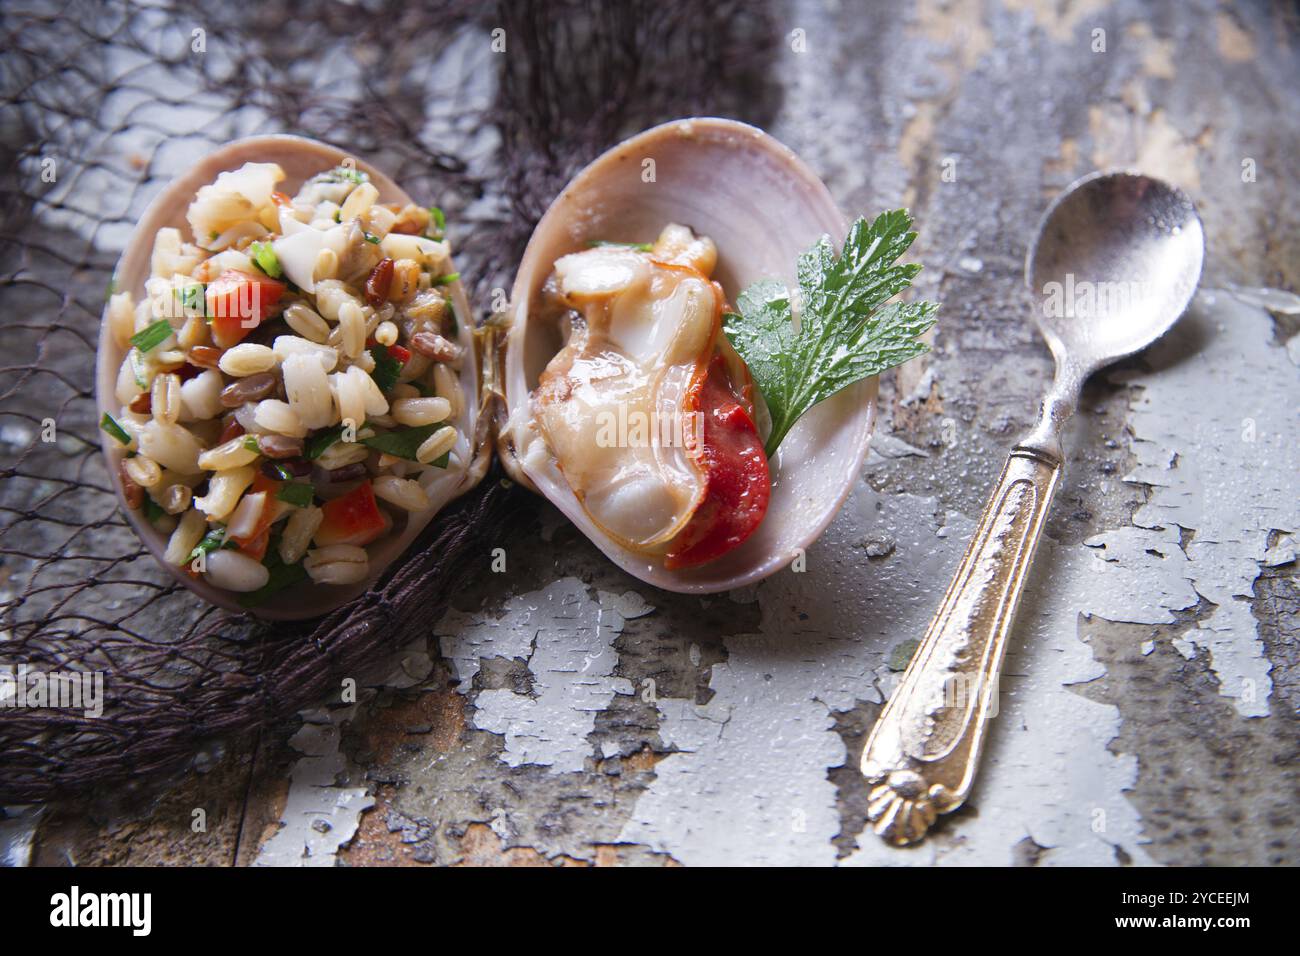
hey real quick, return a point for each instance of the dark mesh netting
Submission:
(101, 105)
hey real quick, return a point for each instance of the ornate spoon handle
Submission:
(922, 754)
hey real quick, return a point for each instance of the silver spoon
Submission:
(1115, 263)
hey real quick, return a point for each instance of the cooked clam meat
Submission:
(647, 410)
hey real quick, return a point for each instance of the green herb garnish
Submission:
(844, 335)
(639, 246)
(138, 371)
(250, 444)
(110, 425)
(282, 576)
(264, 258)
(214, 539)
(341, 174)
(153, 336)
(297, 493)
(387, 369)
(439, 220)
(192, 298)
(370, 237)
(448, 279)
(320, 442)
(405, 442)
(152, 510)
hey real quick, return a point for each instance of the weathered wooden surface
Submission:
(565, 713)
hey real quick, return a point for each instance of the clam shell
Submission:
(300, 158)
(762, 206)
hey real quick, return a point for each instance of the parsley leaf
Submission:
(387, 369)
(844, 334)
(405, 442)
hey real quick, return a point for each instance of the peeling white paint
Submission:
(1215, 438)
(567, 640)
(320, 816)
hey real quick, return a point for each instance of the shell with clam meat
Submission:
(760, 206)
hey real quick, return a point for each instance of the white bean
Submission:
(235, 572)
(337, 564)
(420, 411)
(402, 492)
(247, 358)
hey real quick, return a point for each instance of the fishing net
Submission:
(486, 111)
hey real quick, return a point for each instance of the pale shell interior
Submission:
(762, 206)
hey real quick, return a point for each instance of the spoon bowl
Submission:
(1116, 261)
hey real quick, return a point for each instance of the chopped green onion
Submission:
(448, 279)
(281, 470)
(265, 258)
(192, 297)
(455, 319)
(404, 442)
(347, 174)
(150, 338)
(137, 368)
(438, 220)
(338, 215)
(214, 539)
(152, 510)
(371, 238)
(110, 425)
(639, 246)
(250, 443)
(297, 493)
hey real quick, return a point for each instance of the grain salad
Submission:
(291, 386)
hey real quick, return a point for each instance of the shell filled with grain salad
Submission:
(288, 384)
